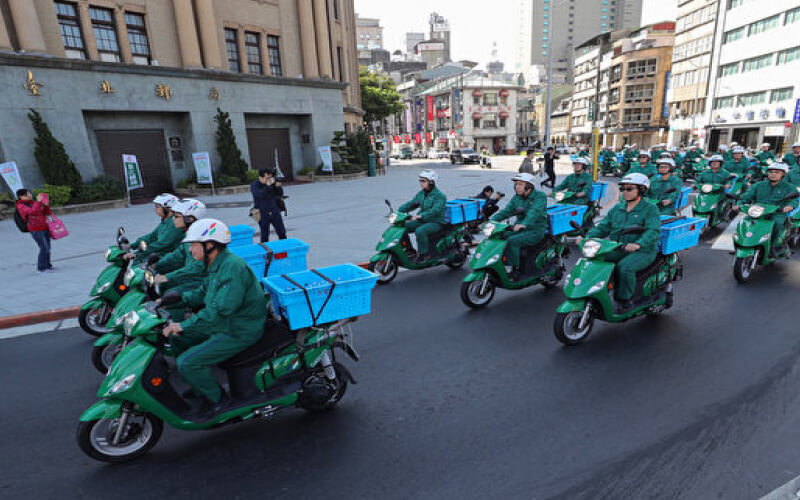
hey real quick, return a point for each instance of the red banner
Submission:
(418, 138)
(443, 113)
(397, 139)
(429, 100)
(407, 138)
(429, 137)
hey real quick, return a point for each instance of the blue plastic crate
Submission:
(561, 215)
(620, 158)
(460, 211)
(681, 234)
(598, 191)
(255, 256)
(241, 234)
(683, 199)
(481, 202)
(288, 256)
(308, 298)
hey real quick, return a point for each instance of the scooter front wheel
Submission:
(91, 321)
(471, 294)
(104, 355)
(567, 327)
(97, 438)
(743, 269)
(386, 270)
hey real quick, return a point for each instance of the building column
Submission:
(323, 40)
(308, 44)
(86, 26)
(187, 34)
(5, 40)
(122, 33)
(209, 39)
(26, 23)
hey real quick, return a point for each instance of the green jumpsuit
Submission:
(431, 206)
(791, 160)
(628, 264)
(231, 321)
(658, 187)
(741, 167)
(161, 240)
(764, 156)
(708, 176)
(764, 192)
(794, 176)
(534, 218)
(181, 269)
(649, 169)
(571, 182)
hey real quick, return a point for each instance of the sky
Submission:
(473, 30)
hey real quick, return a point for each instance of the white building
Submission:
(757, 70)
(584, 94)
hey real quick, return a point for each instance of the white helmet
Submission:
(208, 230)
(190, 208)
(524, 177)
(645, 153)
(796, 145)
(766, 145)
(716, 158)
(738, 150)
(429, 175)
(666, 154)
(723, 147)
(636, 179)
(583, 161)
(166, 200)
(734, 144)
(667, 161)
(779, 166)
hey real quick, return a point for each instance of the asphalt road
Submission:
(698, 403)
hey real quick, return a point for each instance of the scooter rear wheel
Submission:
(90, 320)
(471, 296)
(338, 390)
(742, 269)
(566, 328)
(104, 355)
(386, 270)
(95, 438)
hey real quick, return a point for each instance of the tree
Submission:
(54, 162)
(379, 96)
(231, 162)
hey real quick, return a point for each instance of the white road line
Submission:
(725, 240)
(789, 491)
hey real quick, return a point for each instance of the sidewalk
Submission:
(342, 222)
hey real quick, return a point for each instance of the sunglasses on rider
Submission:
(629, 188)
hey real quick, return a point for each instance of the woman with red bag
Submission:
(35, 213)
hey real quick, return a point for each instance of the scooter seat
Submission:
(652, 268)
(275, 337)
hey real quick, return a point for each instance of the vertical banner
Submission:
(429, 101)
(279, 175)
(418, 138)
(133, 176)
(665, 111)
(10, 174)
(327, 158)
(407, 139)
(428, 137)
(202, 167)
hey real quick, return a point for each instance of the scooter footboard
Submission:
(103, 409)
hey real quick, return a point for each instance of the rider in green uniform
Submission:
(773, 191)
(738, 165)
(662, 183)
(792, 158)
(178, 270)
(165, 237)
(530, 208)
(579, 182)
(715, 174)
(431, 216)
(641, 248)
(765, 156)
(645, 166)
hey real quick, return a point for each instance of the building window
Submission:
(723, 102)
(636, 115)
(757, 63)
(732, 4)
(232, 48)
(729, 69)
(788, 55)
(105, 33)
(476, 123)
(137, 37)
(252, 43)
(502, 123)
(639, 91)
(336, 9)
(763, 25)
(641, 68)
(340, 63)
(490, 99)
(274, 50)
(476, 100)
(779, 95)
(490, 120)
(751, 99)
(70, 29)
(733, 35)
(792, 16)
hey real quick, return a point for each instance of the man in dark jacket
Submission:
(267, 194)
(550, 158)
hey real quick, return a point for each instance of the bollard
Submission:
(371, 165)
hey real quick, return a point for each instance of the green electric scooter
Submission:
(141, 391)
(449, 247)
(713, 204)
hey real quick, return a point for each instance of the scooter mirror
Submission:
(142, 246)
(388, 204)
(120, 231)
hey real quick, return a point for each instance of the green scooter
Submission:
(713, 204)
(589, 289)
(395, 249)
(753, 239)
(568, 198)
(108, 289)
(139, 394)
(609, 166)
(542, 264)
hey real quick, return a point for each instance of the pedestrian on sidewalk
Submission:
(267, 196)
(550, 158)
(526, 167)
(34, 213)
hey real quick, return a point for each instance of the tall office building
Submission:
(440, 32)
(564, 24)
(412, 39)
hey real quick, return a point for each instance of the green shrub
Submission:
(305, 171)
(8, 199)
(251, 175)
(360, 147)
(52, 157)
(59, 195)
(185, 183)
(232, 163)
(101, 188)
(222, 180)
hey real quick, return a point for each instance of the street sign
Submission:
(133, 176)
(202, 166)
(796, 118)
(10, 174)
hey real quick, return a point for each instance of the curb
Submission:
(48, 315)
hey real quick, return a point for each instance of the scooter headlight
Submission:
(488, 229)
(392, 218)
(707, 188)
(130, 322)
(590, 248)
(123, 385)
(107, 254)
(559, 196)
(129, 275)
(492, 260)
(755, 211)
(149, 278)
(105, 286)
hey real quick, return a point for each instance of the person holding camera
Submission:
(267, 199)
(34, 213)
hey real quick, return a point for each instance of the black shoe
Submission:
(421, 258)
(515, 275)
(209, 410)
(625, 305)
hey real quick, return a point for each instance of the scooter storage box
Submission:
(620, 158)
(462, 210)
(561, 215)
(683, 199)
(241, 235)
(681, 234)
(323, 295)
(288, 256)
(598, 191)
(255, 256)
